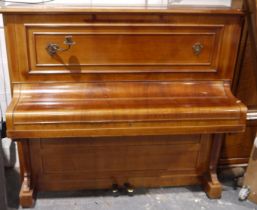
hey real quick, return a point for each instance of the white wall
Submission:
(9, 147)
(5, 91)
(202, 2)
(129, 2)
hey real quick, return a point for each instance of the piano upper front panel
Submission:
(132, 48)
(121, 48)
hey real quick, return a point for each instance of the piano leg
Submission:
(211, 184)
(27, 190)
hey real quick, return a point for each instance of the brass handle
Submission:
(197, 48)
(53, 48)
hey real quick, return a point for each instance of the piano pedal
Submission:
(129, 189)
(115, 190)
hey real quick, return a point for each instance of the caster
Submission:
(244, 193)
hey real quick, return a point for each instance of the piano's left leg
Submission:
(27, 189)
(211, 184)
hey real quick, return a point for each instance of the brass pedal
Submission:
(129, 189)
(115, 190)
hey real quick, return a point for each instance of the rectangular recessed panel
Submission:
(124, 48)
(125, 155)
(97, 163)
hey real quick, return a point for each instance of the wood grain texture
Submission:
(175, 59)
(90, 163)
(27, 185)
(104, 109)
(237, 147)
(212, 185)
(145, 48)
(131, 102)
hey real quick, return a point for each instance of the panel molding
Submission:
(209, 66)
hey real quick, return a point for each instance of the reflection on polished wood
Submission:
(237, 147)
(127, 108)
(133, 102)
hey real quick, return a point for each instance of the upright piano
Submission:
(126, 96)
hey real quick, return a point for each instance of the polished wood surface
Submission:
(27, 190)
(34, 66)
(128, 108)
(145, 48)
(88, 163)
(212, 185)
(141, 97)
(237, 147)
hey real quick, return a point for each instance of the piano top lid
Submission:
(164, 6)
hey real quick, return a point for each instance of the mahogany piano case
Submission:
(111, 96)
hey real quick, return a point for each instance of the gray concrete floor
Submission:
(174, 198)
